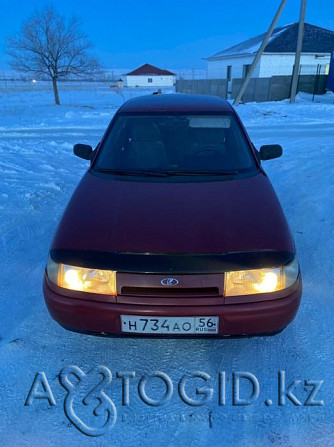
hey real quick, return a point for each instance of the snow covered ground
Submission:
(38, 174)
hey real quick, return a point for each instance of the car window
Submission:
(175, 144)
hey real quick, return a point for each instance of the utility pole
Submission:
(259, 53)
(295, 72)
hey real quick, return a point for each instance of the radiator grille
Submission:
(170, 292)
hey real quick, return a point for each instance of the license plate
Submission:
(169, 325)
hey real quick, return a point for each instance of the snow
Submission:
(38, 175)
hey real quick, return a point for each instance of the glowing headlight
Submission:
(82, 279)
(266, 280)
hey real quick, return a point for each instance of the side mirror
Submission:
(83, 151)
(270, 151)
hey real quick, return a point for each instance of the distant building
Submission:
(149, 76)
(117, 84)
(279, 55)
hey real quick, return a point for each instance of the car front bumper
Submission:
(262, 317)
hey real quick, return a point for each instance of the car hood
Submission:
(112, 215)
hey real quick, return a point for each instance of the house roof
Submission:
(284, 40)
(148, 69)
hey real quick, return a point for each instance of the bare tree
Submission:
(49, 45)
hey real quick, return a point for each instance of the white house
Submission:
(149, 76)
(279, 55)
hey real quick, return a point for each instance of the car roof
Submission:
(175, 102)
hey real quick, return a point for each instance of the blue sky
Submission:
(166, 33)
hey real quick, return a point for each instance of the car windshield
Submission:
(175, 145)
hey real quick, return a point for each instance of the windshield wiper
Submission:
(136, 173)
(235, 172)
(165, 173)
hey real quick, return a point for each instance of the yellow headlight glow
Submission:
(266, 280)
(72, 280)
(269, 283)
(82, 279)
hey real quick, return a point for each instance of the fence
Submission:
(216, 87)
(275, 88)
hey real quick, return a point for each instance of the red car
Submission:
(175, 229)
